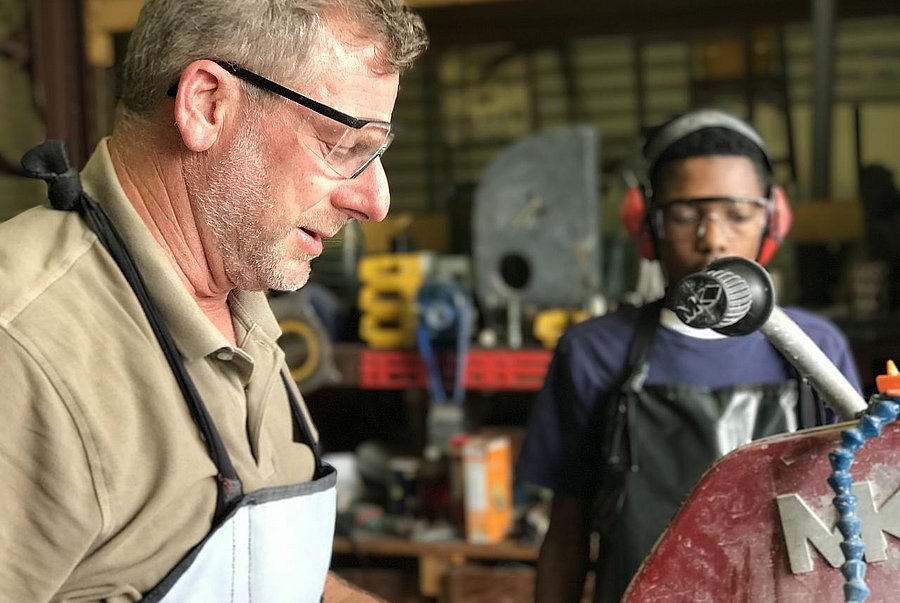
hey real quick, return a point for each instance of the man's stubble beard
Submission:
(233, 199)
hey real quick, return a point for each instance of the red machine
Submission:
(760, 525)
(729, 540)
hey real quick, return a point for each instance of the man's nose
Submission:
(711, 233)
(365, 198)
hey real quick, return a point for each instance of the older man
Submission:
(154, 448)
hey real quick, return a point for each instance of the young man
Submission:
(154, 448)
(637, 405)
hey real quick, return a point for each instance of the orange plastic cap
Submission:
(889, 383)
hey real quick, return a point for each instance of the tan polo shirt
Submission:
(106, 481)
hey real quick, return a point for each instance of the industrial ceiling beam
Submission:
(539, 21)
(57, 43)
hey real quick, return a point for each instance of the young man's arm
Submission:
(563, 561)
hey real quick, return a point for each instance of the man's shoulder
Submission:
(38, 248)
(41, 234)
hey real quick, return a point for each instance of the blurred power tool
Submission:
(536, 228)
(304, 339)
(389, 285)
(445, 317)
(549, 325)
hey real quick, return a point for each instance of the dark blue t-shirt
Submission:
(590, 359)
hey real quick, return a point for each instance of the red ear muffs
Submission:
(634, 218)
(777, 225)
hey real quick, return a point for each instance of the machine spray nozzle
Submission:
(735, 296)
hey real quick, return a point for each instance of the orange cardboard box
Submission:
(487, 485)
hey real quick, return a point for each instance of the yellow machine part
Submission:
(400, 273)
(383, 305)
(386, 298)
(386, 335)
(549, 325)
(308, 338)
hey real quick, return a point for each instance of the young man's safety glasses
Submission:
(685, 219)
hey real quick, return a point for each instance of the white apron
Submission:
(272, 546)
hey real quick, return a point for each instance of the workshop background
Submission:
(420, 341)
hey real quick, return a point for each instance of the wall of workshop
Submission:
(21, 125)
(463, 105)
(867, 79)
(459, 107)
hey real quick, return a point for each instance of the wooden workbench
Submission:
(435, 558)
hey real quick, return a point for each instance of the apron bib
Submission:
(691, 427)
(275, 546)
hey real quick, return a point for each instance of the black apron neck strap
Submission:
(302, 432)
(612, 427)
(49, 162)
(641, 344)
(624, 445)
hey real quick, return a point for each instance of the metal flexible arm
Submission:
(735, 296)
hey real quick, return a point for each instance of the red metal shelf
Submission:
(486, 369)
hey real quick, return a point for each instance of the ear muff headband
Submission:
(634, 215)
(687, 124)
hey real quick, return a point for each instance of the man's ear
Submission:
(205, 91)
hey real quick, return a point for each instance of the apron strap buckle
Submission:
(232, 489)
(49, 162)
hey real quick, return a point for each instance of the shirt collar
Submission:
(670, 320)
(193, 333)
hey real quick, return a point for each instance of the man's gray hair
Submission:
(273, 37)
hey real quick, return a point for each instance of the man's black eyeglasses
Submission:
(364, 141)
